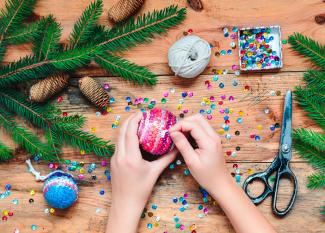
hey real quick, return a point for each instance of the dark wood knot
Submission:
(320, 19)
(195, 4)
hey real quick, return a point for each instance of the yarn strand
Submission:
(37, 174)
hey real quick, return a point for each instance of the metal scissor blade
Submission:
(286, 138)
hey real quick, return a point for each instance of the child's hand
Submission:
(208, 167)
(133, 178)
(206, 163)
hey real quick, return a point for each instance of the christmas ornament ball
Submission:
(60, 190)
(153, 132)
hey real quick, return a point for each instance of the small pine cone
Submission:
(123, 9)
(94, 91)
(46, 88)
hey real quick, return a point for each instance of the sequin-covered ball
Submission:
(60, 190)
(153, 131)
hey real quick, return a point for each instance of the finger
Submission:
(121, 138)
(165, 160)
(195, 129)
(184, 147)
(131, 135)
(203, 122)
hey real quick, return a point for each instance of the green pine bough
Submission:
(87, 42)
(310, 144)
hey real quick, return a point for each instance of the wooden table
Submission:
(91, 211)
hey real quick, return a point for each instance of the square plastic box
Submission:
(260, 48)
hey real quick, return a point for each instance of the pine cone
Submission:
(46, 88)
(94, 91)
(123, 9)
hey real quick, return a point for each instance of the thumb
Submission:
(165, 160)
(184, 147)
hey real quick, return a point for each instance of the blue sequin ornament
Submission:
(60, 190)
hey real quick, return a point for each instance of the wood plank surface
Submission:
(291, 15)
(91, 211)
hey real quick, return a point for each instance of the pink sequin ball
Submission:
(153, 131)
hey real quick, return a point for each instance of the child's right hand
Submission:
(206, 163)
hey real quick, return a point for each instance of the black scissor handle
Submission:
(284, 172)
(262, 176)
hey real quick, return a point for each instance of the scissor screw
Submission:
(285, 148)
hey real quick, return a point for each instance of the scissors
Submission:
(280, 165)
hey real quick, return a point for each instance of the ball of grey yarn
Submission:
(189, 56)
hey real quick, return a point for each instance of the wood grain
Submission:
(291, 15)
(261, 86)
(83, 217)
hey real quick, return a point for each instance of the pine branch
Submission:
(51, 138)
(23, 137)
(84, 141)
(76, 121)
(315, 79)
(314, 157)
(316, 181)
(29, 68)
(16, 102)
(72, 59)
(12, 16)
(116, 39)
(60, 131)
(5, 152)
(140, 30)
(125, 69)
(316, 140)
(311, 105)
(23, 34)
(47, 39)
(83, 28)
(309, 48)
(2, 51)
(323, 210)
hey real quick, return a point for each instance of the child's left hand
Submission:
(133, 177)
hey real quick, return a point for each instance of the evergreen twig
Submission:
(142, 29)
(5, 152)
(60, 131)
(118, 38)
(84, 141)
(309, 48)
(316, 181)
(11, 18)
(23, 34)
(26, 139)
(315, 79)
(314, 157)
(125, 69)
(313, 139)
(310, 103)
(46, 40)
(85, 25)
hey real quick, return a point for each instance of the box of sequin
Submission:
(260, 48)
